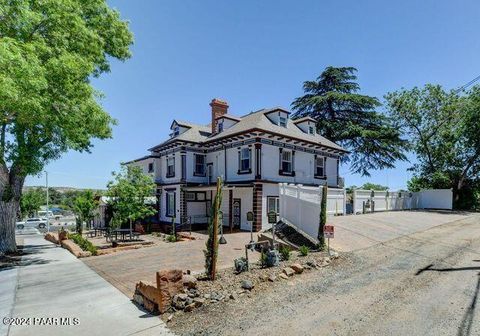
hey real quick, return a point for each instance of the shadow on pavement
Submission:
(465, 327)
(24, 257)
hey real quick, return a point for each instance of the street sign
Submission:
(250, 216)
(272, 217)
(328, 231)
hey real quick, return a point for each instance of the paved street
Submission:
(51, 283)
(425, 283)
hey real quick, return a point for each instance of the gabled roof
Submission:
(194, 133)
(229, 116)
(258, 120)
(146, 157)
(182, 123)
(297, 121)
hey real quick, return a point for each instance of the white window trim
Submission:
(245, 154)
(322, 159)
(172, 160)
(196, 172)
(170, 207)
(288, 161)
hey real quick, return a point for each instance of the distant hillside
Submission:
(61, 189)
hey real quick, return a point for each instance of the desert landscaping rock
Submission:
(190, 307)
(182, 296)
(247, 284)
(297, 268)
(288, 271)
(198, 302)
(283, 276)
(272, 278)
(189, 281)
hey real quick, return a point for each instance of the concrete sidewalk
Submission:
(52, 283)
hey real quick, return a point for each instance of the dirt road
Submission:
(423, 284)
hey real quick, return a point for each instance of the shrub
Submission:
(285, 252)
(304, 250)
(171, 238)
(263, 259)
(84, 243)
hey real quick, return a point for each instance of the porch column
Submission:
(257, 206)
(258, 161)
(230, 210)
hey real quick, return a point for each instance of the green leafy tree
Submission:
(350, 119)
(373, 186)
(443, 129)
(49, 51)
(84, 207)
(131, 193)
(31, 201)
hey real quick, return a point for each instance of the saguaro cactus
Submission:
(211, 251)
(323, 218)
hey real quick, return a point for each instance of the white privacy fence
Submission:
(300, 205)
(376, 200)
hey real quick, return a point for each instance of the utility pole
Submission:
(46, 183)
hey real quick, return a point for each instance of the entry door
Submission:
(237, 207)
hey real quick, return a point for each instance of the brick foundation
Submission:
(257, 206)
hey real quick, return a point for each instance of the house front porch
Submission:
(237, 200)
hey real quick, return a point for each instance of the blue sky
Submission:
(256, 54)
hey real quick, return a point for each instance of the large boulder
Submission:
(169, 283)
(75, 249)
(288, 271)
(297, 268)
(147, 295)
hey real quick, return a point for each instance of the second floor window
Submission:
(311, 130)
(287, 166)
(171, 167)
(150, 167)
(220, 127)
(283, 121)
(176, 131)
(199, 165)
(319, 166)
(244, 164)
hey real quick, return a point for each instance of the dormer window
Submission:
(311, 130)
(176, 131)
(220, 127)
(282, 121)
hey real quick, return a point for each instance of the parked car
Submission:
(35, 222)
(50, 214)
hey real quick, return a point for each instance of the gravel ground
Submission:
(423, 284)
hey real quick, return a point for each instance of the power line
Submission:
(467, 84)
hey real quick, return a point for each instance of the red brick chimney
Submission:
(219, 108)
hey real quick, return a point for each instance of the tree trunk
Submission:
(8, 218)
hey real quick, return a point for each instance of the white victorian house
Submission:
(252, 153)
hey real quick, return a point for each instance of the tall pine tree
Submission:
(351, 120)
